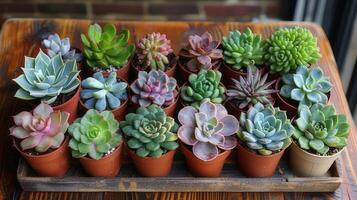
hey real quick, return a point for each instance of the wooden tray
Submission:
(180, 180)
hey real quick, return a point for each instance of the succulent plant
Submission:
(243, 49)
(251, 89)
(153, 51)
(202, 52)
(289, 48)
(46, 78)
(41, 130)
(208, 129)
(202, 87)
(154, 87)
(103, 93)
(94, 135)
(150, 132)
(105, 49)
(306, 86)
(320, 129)
(265, 129)
(54, 45)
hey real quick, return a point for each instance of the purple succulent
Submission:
(208, 129)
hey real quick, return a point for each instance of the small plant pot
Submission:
(70, 106)
(108, 166)
(228, 74)
(255, 165)
(153, 167)
(122, 73)
(202, 168)
(307, 164)
(53, 164)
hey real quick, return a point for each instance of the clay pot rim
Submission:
(148, 158)
(69, 100)
(223, 152)
(261, 156)
(65, 141)
(182, 65)
(105, 157)
(171, 67)
(314, 155)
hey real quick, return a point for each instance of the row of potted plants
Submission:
(274, 99)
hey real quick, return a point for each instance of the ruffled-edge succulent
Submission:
(307, 86)
(202, 52)
(149, 132)
(153, 51)
(41, 130)
(204, 86)
(265, 129)
(243, 50)
(46, 78)
(154, 87)
(320, 129)
(103, 93)
(54, 45)
(105, 49)
(290, 47)
(94, 135)
(251, 89)
(208, 129)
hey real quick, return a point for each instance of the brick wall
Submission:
(215, 10)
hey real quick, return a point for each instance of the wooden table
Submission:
(19, 36)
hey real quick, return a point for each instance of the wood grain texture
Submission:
(18, 37)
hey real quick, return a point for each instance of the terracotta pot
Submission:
(304, 163)
(122, 73)
(107, 166)
(202, 168)
(53, 164)
(153, 167)
(70, 106)
(171, 68)
(254, 165)
(228, 73)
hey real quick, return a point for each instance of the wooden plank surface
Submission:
(18, 37)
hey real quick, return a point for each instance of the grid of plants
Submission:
(258, 96)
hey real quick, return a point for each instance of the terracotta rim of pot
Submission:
(314, 155)
(107, 156)
(58, 107)
(185, 148)
(258, 155)
(170, 71)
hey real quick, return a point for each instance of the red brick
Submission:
(231, 10)
(17, 8)
(173, 9)
(111, 8)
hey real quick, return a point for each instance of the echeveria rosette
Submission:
(307, 86)
(202, 52)
(208, 129)
(94, 135)
(265, 129)
(149, 132)
(243, 50)
(46, 78)
(154, 87)
(41, 130)
(291, 47)
(204, 86)
(319, 128)
(103, 93)
(54, 45)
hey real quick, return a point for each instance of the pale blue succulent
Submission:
(307, 86)
(103, 93)
(45, 78)
(55, 45)
(265, 129)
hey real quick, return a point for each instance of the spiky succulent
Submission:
(291, 47)
(319, 128)
(208, 129)
(202, 52)
(94, 135)
(41, 130)
(242, 50)
(251, 89)
(45, 78)
(153, 51)
(154, 87)
(307, 86)
(54, 45)
(202, 87)
(105, 49)
(150, 132)
(103, 93)
(265, 129)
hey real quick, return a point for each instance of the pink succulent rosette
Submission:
(207, 129)
(40, 129)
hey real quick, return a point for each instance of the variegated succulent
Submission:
(54, 45)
